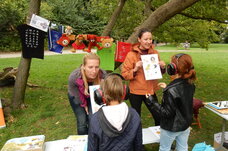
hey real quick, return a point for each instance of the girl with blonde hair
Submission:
(89, 73)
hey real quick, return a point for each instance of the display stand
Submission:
(225, 118)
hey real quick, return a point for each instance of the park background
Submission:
(47, 110)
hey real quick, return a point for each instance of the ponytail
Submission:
(185, 67)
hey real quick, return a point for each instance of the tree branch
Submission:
(112, 21)
(202, 18)
(148, 8)
(195, 17)
(161, 15)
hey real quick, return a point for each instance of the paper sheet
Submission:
(151, 67)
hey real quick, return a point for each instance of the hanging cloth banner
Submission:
(121, 52)
(61, 29)
(53, 37)
(107, 57)
(39, 23)
(32, 41)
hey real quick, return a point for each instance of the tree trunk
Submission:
(148, 9)
(112, 21)
(161, 15)
(24, 66)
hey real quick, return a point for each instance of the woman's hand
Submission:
(162, 64)
(137, 66)
(86, 109)
(162, 85)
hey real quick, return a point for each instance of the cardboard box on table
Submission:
(217, 139)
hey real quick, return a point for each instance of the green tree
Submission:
(129, 18)
(202, 23)
(12, 14)
(77, 15)
(178, 30)
(182, 25)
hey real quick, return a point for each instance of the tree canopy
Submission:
(204, 17)
(91, 16)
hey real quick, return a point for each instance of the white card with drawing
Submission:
(151, 67)
(95, 107)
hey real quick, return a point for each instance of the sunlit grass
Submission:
(48, 111)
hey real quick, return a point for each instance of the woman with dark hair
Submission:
(132, 70)
(89, 73)
(176, 109)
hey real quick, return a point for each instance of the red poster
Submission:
(121, 52)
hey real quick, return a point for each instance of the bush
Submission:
(10, 42)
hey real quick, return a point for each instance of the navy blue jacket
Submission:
(104, 137)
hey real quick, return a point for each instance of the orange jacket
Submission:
(138, 84)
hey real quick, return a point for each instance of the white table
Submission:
(55, 145)
(225, 118)
(149, 135)
(73, 142)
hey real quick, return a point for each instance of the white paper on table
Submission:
(80, 140)
(95, 107)
(156, 130)
(66, 145)
(219, 104)
(57, 145)
(149, 136)
(39, 23)
(151, 67)
(218, 136)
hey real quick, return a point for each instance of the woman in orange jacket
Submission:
(132, 70)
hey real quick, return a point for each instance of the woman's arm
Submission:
(167, 108)
(130, 66)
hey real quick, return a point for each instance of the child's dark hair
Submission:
(142, 31)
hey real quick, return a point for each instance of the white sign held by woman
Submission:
(151, 67)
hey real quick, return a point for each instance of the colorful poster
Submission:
(29, 143)
(151, 67)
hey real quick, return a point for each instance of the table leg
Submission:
(222, 137)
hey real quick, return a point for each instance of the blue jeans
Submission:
(167, 138)
(80, 114)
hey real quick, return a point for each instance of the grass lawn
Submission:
(50, 114)
(195, 47)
